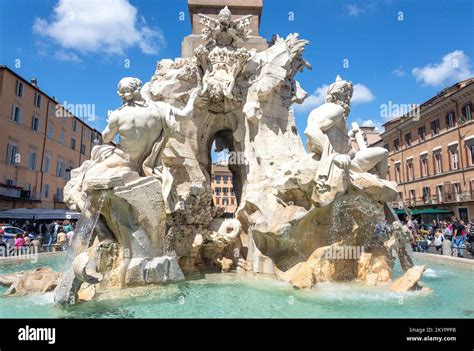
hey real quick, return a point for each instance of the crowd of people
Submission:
(54, 236)
(449, 237)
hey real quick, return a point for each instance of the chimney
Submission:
(34, 81)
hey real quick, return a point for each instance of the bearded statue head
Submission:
(340, 92)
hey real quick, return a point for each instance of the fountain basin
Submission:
(232, 295)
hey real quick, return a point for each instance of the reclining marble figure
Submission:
(144, 126)
(329, 140)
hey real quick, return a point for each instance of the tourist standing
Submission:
(26, 239)
(61, 239)
(19, 243)
(438, 240)
(53, 230)
(67, 226)
(459, 232)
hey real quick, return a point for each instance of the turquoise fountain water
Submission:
(246, 296)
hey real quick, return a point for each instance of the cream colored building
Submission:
(40, 143)
(222, 186)
(431, 154)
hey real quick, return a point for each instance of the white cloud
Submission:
(371, 123)
(368, 123)
(455, 66)
(361, 95)
(106, 26)
(354, 10)
(63, 55)
(399, 72)
(313, 100)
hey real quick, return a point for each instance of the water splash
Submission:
(85, 226)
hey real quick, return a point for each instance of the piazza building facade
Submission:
(40, 142)
(223, 194)
(431, 153)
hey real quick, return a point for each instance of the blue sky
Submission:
(402, 52)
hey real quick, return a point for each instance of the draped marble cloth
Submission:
(330, 179)
(153, 165)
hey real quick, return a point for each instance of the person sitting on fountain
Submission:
(144, 126)
(329, 140)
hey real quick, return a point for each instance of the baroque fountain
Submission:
(147, 211)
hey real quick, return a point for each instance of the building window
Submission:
(16, 114)
(412, 197)
(83, 149)
(32, 160)
(421, 133)
(35, 123)
(396, 144)
(218, 201)
(51, 131)
(73, 143)
(59, 194)
(232, 201)
(46, 190)
(470, 153)
(61, 137)
(60, 169)
(410, 172)
(218, 178)
(19, 89)
(467, 112)
(37, 100)
(408, 139)
(435, 127)
(225, 201)
(438, 163)
(74, 125)
(457, 191)
(13, 154)
(68, 170)
(47, 163)
(398, 177)
(226, 179)
(218, 191)
(439, 193)
(426, 194)
(424, 166)
(453, 155)
(450, 120)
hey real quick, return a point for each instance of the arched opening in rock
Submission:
(225, 172)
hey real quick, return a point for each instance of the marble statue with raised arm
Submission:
(329, 140)
(142, 123)
(144, 127)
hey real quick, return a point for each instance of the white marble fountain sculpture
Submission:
(157, 222)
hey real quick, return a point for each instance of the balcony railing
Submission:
(58, 198)
(17, 192)
(438, 200)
